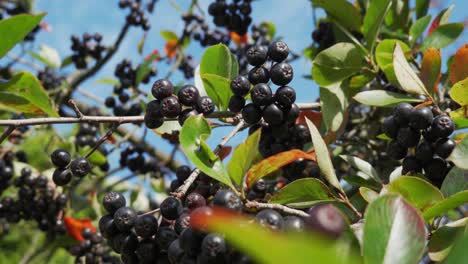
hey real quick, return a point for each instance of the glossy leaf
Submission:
(271, 28)
(442, 36)
(336, 63)
(97, 158)
(394, 232)
(418, 28)
(421, 7)
(14, 29)
(243, 157)
(323, 156)
(460, 118)
(47, 55)
(368, 194)
(445, 205)
(218, 88)
(459, 66)
(405, 75)
(458, 252)
(334, 103)
(397, 17)
(430, 70)
(110, 81)
(455, 181)
(302, 190)
(25, 93)
(373, 21)
(459, 155)
(443, 239)
(384, 56)
(418, 192)
(383, 98)
(362, 165)
(362, 180)
(459, 92)
(145, 68)
(193, 134)
(273, 163)
(168, 35)
(342, 11)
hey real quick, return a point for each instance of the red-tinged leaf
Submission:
(314, 116)
(45, 26)
(430, 70)
(434, 25)
(238, 39)
(459, 65)
(170, 49)
(274, 163)
(155, 54)
(224, 152)
(75, 226)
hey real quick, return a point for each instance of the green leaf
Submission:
(368, 194)
(421, 7)
(110, 81)
(445, 205)
(394, 232)
(384, 56)
(302, 190)
(342, 11)
(442, 36)
(398, 16)
(270, 27)
(373, 20)
(243, 157)
(418, 192)
(323, 156)
(443, 239)
(25, 93)
(97, 158)
(362, 180)
(458, 253)
(417, 29)
(145, 68)
(362, 165)
(192, 137)
(66, 62)
(218, 66)
(455, 181)
(14, 29)
(336, 63)
(47, 55)
(459, 155)
(383, 98)
(405, 75)
(168, 35)
(459, 92)
(334, 103)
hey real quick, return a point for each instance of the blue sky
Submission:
(293, 20)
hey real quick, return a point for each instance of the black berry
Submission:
(325, 219)
(240, 86)
(285, 96)
(411, 165)
(171, 208)
(273, 114)
(251, 114)
(390, 127)
(80, 167)
(170, 107)
(420, 118)
(281, 73)
(444, 147)
(112, 201)
(442, 126)
(261, 94)
(278, 51)
(60, 158)
(402, 113)
(162, 88)
(396, 151)
(256, 55)
(236, 103)
(205, 105)
(146, 226)
(407, 137)
(270, 218)
(61, 176)
(259, 75)
(188, 95)
(227, 199)
(124, 218)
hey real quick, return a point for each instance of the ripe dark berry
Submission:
(278, 51)
(227, 199)
(60, 158)
(183, 172)
(259, 75)
(61, 176)
(292, 114)
(146, 251)
(407, 137)
(302, 133)
(396, 151)
(411, 165)
(285, 96)
(153, 122)
(171, 208)
(80, 167)
(170, 107)
(402, 113)
(251, 114)
(124, 218)
(188, 95)
(213, 245)
(146, 226)
(436, 169)
(444, 147)
(162, 88)
(256, 55)
(124, 97)
(236, 103)
(129, 244)
(270, 218)
(182, 223)
(260, 186)
(390, 127)
(186, 113)
(110, 102)
(112, 201)
(273, 114)
(165, 237)
(107, 226)
(240, 86)
(282, 73)
(293, 224)
(442, 126)
(175, 252)
(420, 118)
(424, 151)
(194, 200)
(205, 105)
(153, 108)
(190, 241)
(261, 94)
(325, 219)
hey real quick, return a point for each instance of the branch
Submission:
(6, 133)
(24, 62)
(279, 207)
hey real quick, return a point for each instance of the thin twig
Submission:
(6, 133)
(282, 208)
(24, 62)
(151, 212)
(75, 108)
(124, 179)
(102, 139)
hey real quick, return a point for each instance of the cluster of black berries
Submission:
(137, 160)
(87, 135)
(234, 16)
(196, 27)
(171, 106)
(92, 249)
(88, 45)
(323, 35)
(127, 74)
(50, 78)
(406, 126)
(6, 171)
(137, 15)
(65, 168)
(187, 66)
